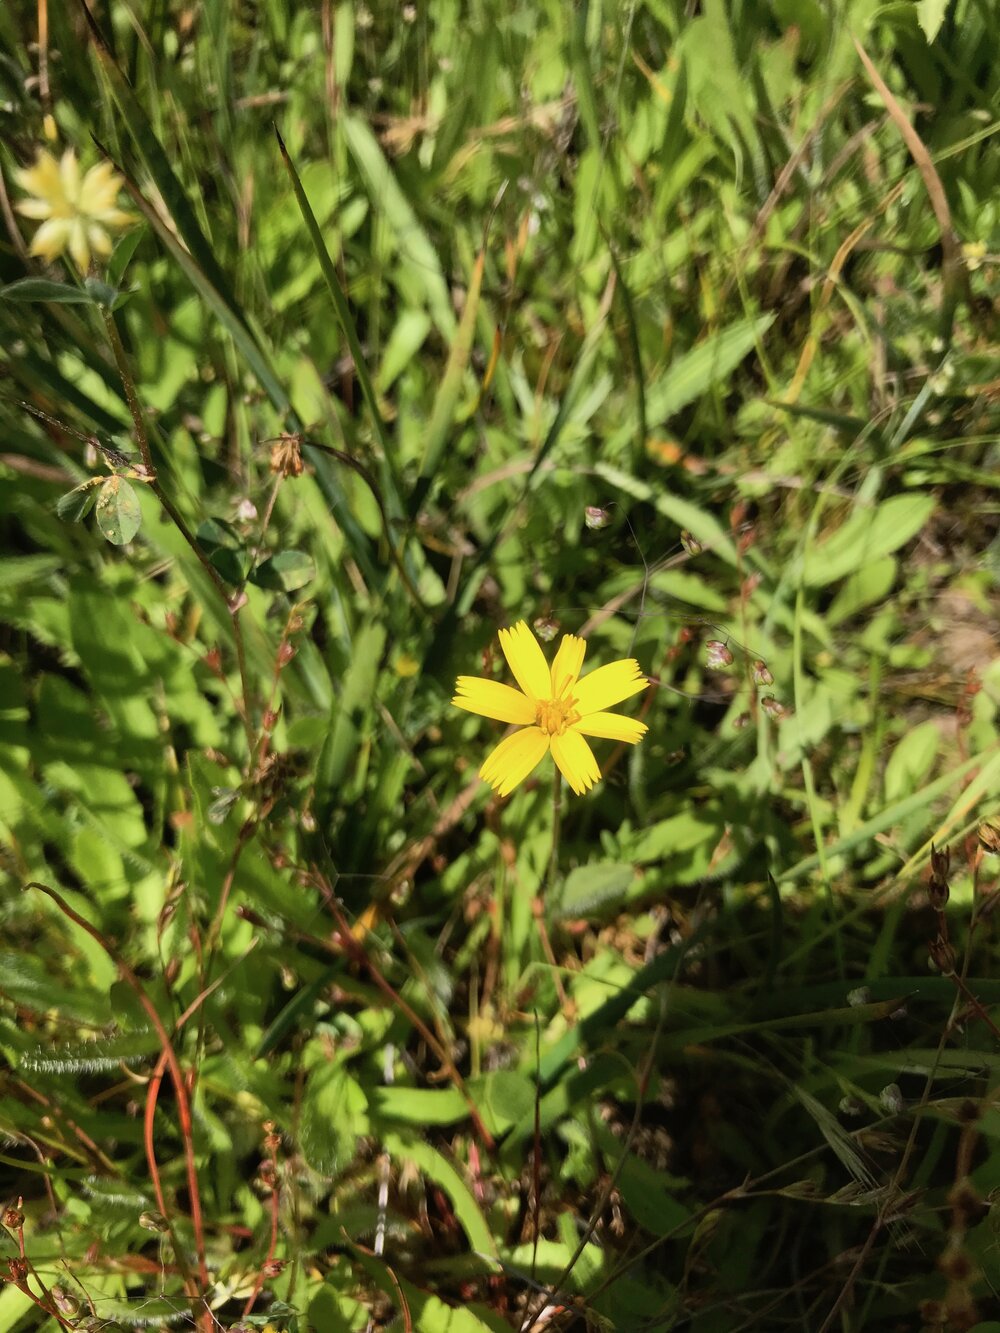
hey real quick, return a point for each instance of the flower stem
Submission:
(556, 828)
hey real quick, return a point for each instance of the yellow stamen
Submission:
(553, 716)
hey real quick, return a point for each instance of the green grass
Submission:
(303, 1028)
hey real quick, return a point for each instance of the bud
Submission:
(237, 602)
(740, 721)
(13, 1218)
(772, 708)
(942, 955)
(273, 1268)
(65, 1302)
(270, 719)
(596, 518)
(691, 543)
(989, 838)
(851, 1106)
(546, 628)
(151, 1220)
(940, 862)
(761, 674)
(285, 654)
(860, 995)
(717, 655)
(246, 511)
(891, 1099)
(938, 893)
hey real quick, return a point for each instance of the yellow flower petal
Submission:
(576, 761)
(514, 758)
(567, 664)
(79, 246)
(611, 727)
(608, 685)
(34, 208)
(100, 241)
(50, 239)
(43, 178)
(489, 698)
(69, 175)
(526, 660)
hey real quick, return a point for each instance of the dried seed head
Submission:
(940, 862)
(13, 1218)
(989, 838)
(955, 1263)
(286, 456)
(273, 1268)
(942, 955)
(18, 1269)
(938, 893)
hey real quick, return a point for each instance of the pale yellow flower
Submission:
(554, 708)
(76, 211)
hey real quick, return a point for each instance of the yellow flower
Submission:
(75, 211)
(554, 708)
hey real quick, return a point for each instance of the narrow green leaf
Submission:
(42, 289)
(437, 1167)
(446, 398)
(700, 369)
(387, 467)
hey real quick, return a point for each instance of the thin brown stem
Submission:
(177, 1078)
(142, 439)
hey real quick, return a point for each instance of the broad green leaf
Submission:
(284, 572)
(866, 536)
(334, 1116)
(592, 889)
(76, 504)
(911, 760)
(930, 16)
(419, 1106)
(117, 511)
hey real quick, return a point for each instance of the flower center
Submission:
(555, 715)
